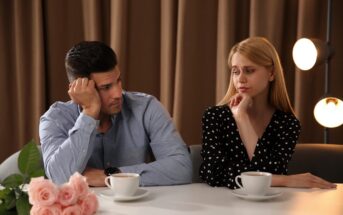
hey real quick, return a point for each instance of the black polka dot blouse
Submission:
(225, 157)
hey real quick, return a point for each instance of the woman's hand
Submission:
(304, 180)
(239, 104)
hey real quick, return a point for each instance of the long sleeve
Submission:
(66, 146)
(219, 167)
(70, 142)
(173, 164)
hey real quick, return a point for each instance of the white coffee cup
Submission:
(123, 184)
(255, 183)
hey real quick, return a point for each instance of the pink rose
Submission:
(67, 195)
(79, 183)
(72, 210)
(46, 210)
(89, 204)
(42, 192)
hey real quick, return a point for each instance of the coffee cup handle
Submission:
(106, 181)
(236, 180)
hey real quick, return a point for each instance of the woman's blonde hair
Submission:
(260, 51)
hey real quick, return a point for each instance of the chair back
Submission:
(196, 161)
(323, 160)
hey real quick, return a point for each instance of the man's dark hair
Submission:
(89, 57)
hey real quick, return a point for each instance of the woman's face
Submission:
(249, 77)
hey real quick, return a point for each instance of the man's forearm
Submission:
(168, 171)
(63, 157)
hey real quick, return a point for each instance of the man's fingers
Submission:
(84, 82)
(91, 84)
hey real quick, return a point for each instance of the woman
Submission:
(254, 127)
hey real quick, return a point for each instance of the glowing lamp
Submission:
(329, 112)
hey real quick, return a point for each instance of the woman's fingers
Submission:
(322, 183)
(313, 181)
(235, 100)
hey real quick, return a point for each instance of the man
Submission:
(105, 130)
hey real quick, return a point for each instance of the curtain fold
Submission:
(175, 50)
(118, 32)
(195, 66)
(168, 52)
(92, 16)
(22, 73)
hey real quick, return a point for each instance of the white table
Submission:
(200, 199)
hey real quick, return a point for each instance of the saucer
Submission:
(109, 194)
(271, 193)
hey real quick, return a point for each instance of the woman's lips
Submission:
(243, 89)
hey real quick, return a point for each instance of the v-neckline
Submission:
(266, 128)
(269, 124)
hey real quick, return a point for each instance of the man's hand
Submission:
(82, 91)
(95, 177)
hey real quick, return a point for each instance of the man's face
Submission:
(108, 85)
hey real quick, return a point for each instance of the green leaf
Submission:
(13, 180)
(4, 211)
(10, 200)
(23, 205)
(4, 193)
(29, 159)
(37, 173)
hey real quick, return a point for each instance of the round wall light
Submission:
(305, 54)
(329, 112)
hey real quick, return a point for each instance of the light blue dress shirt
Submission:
(70, 142)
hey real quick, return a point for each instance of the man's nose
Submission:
(116, 91)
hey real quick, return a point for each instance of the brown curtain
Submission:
(175, 50)
(22, 73)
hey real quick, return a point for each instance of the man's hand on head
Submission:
(83, 92)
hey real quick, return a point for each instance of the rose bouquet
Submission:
(73, 197)
(42, 196)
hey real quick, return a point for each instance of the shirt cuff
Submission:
(133, 169)
(86, 123)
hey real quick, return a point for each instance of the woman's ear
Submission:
(271, 75)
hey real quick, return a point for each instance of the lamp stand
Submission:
(327, 61)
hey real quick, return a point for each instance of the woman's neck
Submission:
(260, 115)
(260, 107)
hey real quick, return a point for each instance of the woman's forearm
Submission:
(279, 180)
(304, 180)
